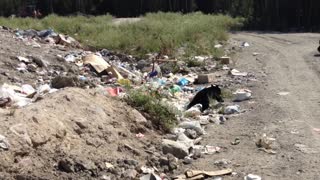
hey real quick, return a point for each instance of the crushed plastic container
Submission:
(124, 82)
(183, 82)
(175, 89)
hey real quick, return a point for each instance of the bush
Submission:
(162, 116)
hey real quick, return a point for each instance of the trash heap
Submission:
(116, 74)
(32, 37)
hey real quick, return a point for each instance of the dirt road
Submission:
(286, 63)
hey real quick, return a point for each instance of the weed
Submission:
(226, 94)
(194, 63)
(162, 116)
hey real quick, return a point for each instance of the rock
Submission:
(84, 164)
(217, 178)
(4, 102)
(187, 160)
(82, 123)
(130, 173)
(39, 61)
(182, 138)
(65, 81)
(96, 142)
(163, 161)
(195, 125)
(4, 144)
(131, 162)
(32, 67)
(220, 120)
(222, 162)
(38, 140)
(21, 131)
(105, 177)
(66, 165)
(196, 154)
(138, 117)
(154, 161)
(146, 170)
(142, 64)
(177, 149)
(150, 176)
(190, 133)
(242, 95)
(206, 78)
(173, 162)
(232, 109)
(252, 177)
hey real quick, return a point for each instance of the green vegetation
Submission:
(162, 116)
(226, 94)
(160, 32)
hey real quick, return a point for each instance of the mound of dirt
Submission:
(72, 134)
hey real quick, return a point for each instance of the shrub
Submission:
(162, 116)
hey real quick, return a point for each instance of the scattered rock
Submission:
(32, 67)
(222, 162)
(64, 81)
(66, 165)
(187, 160)
(4, 144)
(39, 61)
(195, 125)
(130, 173)
(172, 162)
(138, 117)
(236, 141)
(38, 140)
(151, 176)
(242, 95)
(252, 177)
(105, 177)
(82, 123)
(190, 133)
(232, 109)
(177, 149)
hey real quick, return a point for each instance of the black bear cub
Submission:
(203, 97)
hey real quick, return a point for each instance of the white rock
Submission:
(178, 149)
(242, 94)
(232, 109)
(252, 177)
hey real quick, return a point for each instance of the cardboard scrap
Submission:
(196, 174)
(100, 65)
(97, 62)
(115, 72)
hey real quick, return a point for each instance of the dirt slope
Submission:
(286, 63)
(70, 134)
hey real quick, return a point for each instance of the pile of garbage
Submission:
(46, 36)
(114, 74)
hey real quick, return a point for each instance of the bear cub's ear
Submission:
(214, 86)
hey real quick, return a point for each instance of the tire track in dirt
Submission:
(283, 65)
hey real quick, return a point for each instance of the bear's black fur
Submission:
(203, 97)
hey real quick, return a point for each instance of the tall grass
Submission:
(156, 32)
